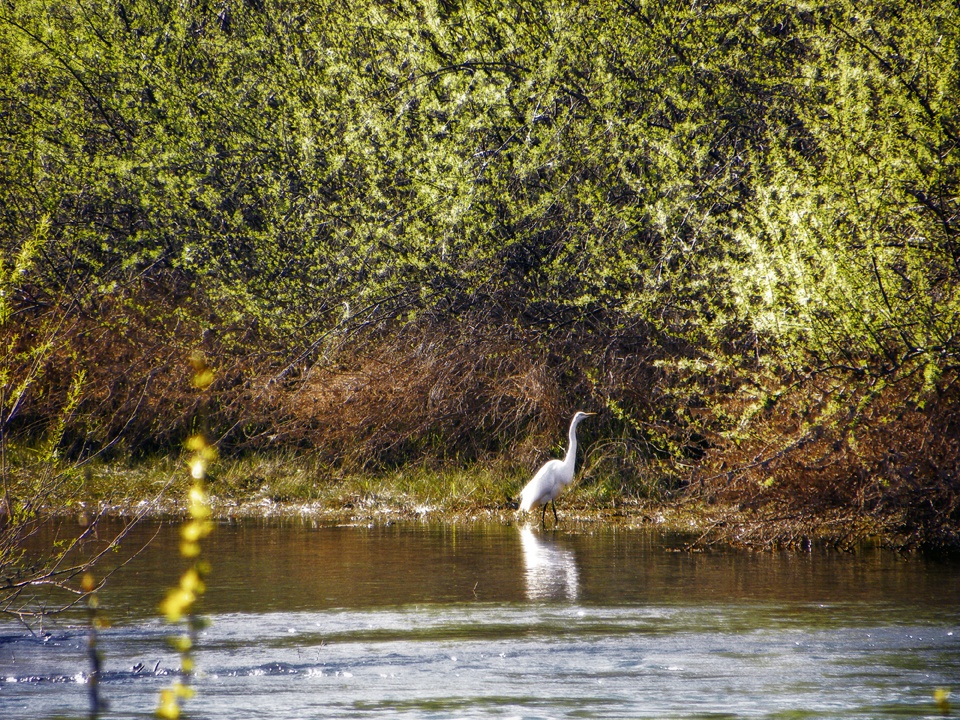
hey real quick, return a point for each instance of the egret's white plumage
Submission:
(553, 476)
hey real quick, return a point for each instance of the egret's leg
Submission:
(556, 520)
(543, 513)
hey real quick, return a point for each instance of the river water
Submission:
(501, 621)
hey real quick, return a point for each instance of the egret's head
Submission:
(581, 416)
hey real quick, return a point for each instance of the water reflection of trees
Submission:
(551, 569)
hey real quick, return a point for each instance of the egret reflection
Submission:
(551, 570)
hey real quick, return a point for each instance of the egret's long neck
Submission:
(571, 457)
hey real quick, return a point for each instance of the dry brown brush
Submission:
(434, 390)
(830, 454)
(834, 457)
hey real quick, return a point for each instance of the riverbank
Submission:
(282, 488)
(455, 417)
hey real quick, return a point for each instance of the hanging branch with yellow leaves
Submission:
(179, 604)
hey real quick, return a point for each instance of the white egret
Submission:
(552, 477)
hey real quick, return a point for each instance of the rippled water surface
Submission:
(414, 621)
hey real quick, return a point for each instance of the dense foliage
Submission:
(733, 225)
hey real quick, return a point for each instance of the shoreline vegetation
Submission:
(409, 240)
(287, 489)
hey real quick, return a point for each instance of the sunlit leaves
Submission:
(179, 603)
(850, 246)
(709, 175)
(296, 158)
(170, 698)
(941, 696)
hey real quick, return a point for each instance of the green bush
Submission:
(735, 195)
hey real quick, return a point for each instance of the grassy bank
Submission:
(288, 486)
